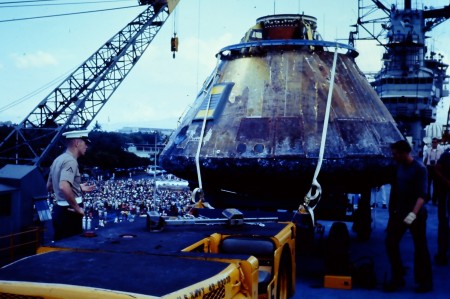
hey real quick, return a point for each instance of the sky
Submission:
(37, 55)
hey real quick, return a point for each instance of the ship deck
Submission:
(127, 257)
(138, 273)
(310, 263)
(311, 270)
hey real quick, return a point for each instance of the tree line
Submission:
(108, 150)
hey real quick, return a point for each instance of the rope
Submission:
(316, 190)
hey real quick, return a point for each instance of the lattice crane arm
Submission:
(81, 96)
(435, 17)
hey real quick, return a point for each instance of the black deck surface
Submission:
(136, 273)
(310, 264)
(134, 237)
(127, 257)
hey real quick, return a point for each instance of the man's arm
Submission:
(413, 215)
(87, 188)
(423, 189)
(49, 184)
(425, 157)
(423, 185)
(66, 189)
(419, 204)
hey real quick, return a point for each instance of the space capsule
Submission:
(252, 136)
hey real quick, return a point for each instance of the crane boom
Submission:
(81, 96)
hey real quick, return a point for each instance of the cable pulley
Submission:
(174, 44)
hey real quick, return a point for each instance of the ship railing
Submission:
(16, 245)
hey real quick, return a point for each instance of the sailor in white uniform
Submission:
(64, 181)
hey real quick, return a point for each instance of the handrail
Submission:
(14, 244)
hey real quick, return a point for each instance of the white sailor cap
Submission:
(80, 134)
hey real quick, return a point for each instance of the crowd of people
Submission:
(124, 199)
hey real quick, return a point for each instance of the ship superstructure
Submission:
(412, 79)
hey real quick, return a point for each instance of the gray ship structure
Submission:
(413, 77)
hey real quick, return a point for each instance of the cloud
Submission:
(370, 54)
(33, 60)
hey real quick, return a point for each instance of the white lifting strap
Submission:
(200, 142)
(207, 83)
(315, 186)
(199, 190)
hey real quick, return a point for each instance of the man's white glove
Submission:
(410, 218)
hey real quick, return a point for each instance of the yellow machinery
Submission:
(207, 257)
